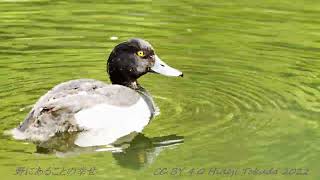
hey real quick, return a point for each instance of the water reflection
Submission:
(133, 151)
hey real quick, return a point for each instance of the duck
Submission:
(99, 111)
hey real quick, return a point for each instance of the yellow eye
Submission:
(140, 53)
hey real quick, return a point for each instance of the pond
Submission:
(249, 100)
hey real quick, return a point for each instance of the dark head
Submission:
(131, 59)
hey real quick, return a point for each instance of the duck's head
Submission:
(131, 59)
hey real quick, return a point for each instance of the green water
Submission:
(250, 97)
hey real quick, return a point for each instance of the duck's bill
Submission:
(161, 67)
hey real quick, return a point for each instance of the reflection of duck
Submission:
(143, 150)
(132, 151)
(102, 110)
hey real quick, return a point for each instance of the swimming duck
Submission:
(102, 112)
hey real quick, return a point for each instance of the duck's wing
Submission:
(57, 92)
(68, 98)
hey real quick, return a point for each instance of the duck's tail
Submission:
(26, 122)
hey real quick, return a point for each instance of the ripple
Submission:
(250, 95)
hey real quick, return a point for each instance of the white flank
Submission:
(105, 123)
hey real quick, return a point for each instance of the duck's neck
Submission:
(116, 77)
(132, 84)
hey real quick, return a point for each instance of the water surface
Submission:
(250, 97)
